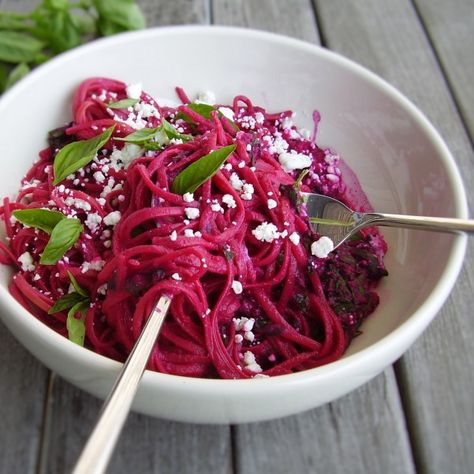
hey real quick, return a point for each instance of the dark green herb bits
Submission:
(122, 104)
(76, 155)
(63, 237)
(201, 170)
(43, 219)
(78, 303)
(17, 47)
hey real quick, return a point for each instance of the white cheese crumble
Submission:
(248, 191)
(99, 176)
(236, 182)
(188, 197)
(229, 200)
(96, 265)
(134, 91)
(176, 276)
(271, 203)
(216, 207)
(280, 145)
(251, 363)
(294, 161)
(77, 203)
(237, 287)
(238, 338)
(173, 235)
(266, 232)
(322, 247)
(295, 238)
(192, 212)
(189, 233)
(122, 158)
(93, 221)
(259, 117)
(112, 218)
(26, 261)
(206, 97)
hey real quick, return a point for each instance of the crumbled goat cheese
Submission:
(271, 203)
(77, 203)
(280, 145)
(188, 197)
(146, 110)
(102, 290)
(295, 238)
(238, 338)
(294, 161)
(227, 112)
(322, 247)
(189, 233)
(26, 261)
(93, 221)
(259, 117)
(176, 276)
(216, 207)
(229, 200)
(241, 164)
(251, 363)
(236, 182)
(248, 191)
(112, 218)
(266, 232)
(206, 97)
(99, 176)
(173, 235)
(249, 336)
(191, 212)
(123, 158)
(237, 287)
(133, 91)
(37, 277)
(96, 265)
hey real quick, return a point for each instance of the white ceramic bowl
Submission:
(401, 161)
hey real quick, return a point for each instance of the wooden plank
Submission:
(436, 374)
(146, 444)
(291, 17)
(449, 26)
(343, 437)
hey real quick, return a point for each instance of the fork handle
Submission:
(438, 224)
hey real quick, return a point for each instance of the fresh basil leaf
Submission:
(116, 16)
(122, 104)
(140, 136)
(202, 109)
(13, 21)
(43, 219)
(56, 4)
(63, 237)
(76, 328)
(16, 47)
(171, 132)
(16, 74)
(76, 286)
(154, 138)
(76, 155)
(3, 77)
(66, 302)
(201, 170)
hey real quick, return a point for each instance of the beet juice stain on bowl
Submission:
(402, 314)
(197, 202)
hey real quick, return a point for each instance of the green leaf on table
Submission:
(56, 4)
(116, 16)
(3, 77)
(16, 74)
(64, 235)
(14, 21)
(76, 155)
(16, 47)
(122, 104)
(76, 327)
(201, 170)
(43, 219)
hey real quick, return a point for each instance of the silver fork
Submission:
(333, 219)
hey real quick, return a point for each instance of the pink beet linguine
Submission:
(134, 199)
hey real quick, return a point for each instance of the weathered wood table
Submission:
(418, 416)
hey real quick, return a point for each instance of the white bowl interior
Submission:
(400, 161)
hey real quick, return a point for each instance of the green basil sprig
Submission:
(63, 231)
(155, 138)
(122, 104)
(63, 237)
(201, 170)
(205, 110)
(18, 47)
(77, 301)
(76, 155)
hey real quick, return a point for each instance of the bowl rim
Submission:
(384, 347)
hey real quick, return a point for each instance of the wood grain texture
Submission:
(435, 374)
(175, 12)
(146, 444)
(290, 17)
(449, 25)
